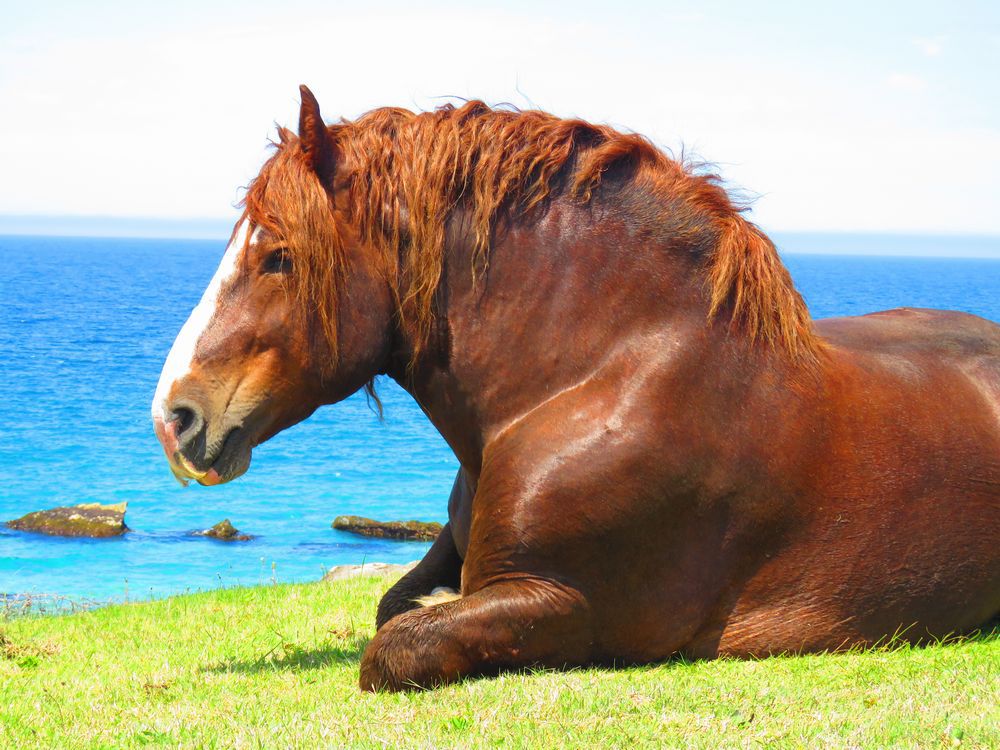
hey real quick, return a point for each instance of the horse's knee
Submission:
(404, 656)
(507, 626)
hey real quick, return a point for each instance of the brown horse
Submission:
(660, 452)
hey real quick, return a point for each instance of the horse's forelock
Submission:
(289, 200)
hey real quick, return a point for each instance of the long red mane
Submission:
(409, 174)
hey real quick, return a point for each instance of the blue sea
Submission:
(85, 324)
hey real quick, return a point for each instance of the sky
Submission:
(846, 116)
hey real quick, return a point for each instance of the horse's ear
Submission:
(313, 137)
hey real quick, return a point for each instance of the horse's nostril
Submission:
(185, 418)
(186, 424)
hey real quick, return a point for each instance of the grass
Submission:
(276, 666)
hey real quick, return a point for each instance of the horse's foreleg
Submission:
(506, 625)
(441, 567)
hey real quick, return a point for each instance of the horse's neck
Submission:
(562, 305)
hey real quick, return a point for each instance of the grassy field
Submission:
(276, 666)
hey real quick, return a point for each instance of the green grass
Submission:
(276, 666)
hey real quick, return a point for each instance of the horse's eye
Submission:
(277, 261)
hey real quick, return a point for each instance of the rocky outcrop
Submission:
(224, 531)
(410, 531)
(86, 520)
(341, 572)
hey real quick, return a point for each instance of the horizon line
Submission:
(908, 243)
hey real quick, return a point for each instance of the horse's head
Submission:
(296, 316)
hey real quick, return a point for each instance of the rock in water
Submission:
(88, 519)
(341, 572)
(226, 532)
(411, 531)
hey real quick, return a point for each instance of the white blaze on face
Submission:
(178, 362)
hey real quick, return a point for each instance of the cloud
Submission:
(929, 46)
(906, 82)
(144, 118)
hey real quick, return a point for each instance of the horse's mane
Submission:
(408, 173)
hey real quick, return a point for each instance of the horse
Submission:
(661, 453)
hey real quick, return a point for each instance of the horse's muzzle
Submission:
(178, 435)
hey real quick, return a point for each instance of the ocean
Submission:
(85, 324)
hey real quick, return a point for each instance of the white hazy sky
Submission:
(855, 116)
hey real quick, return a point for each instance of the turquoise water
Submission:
(85, 325)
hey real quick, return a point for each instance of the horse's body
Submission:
(718, 508)
(652, 463)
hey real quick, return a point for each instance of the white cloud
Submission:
(930, 46)
(167, 120)
(906, 82)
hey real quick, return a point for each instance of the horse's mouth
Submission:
(184, 471)
(231, 461)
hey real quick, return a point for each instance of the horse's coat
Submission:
(660, 452)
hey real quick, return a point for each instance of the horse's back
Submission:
(928, 378)
(914, 330)
(924, 342)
